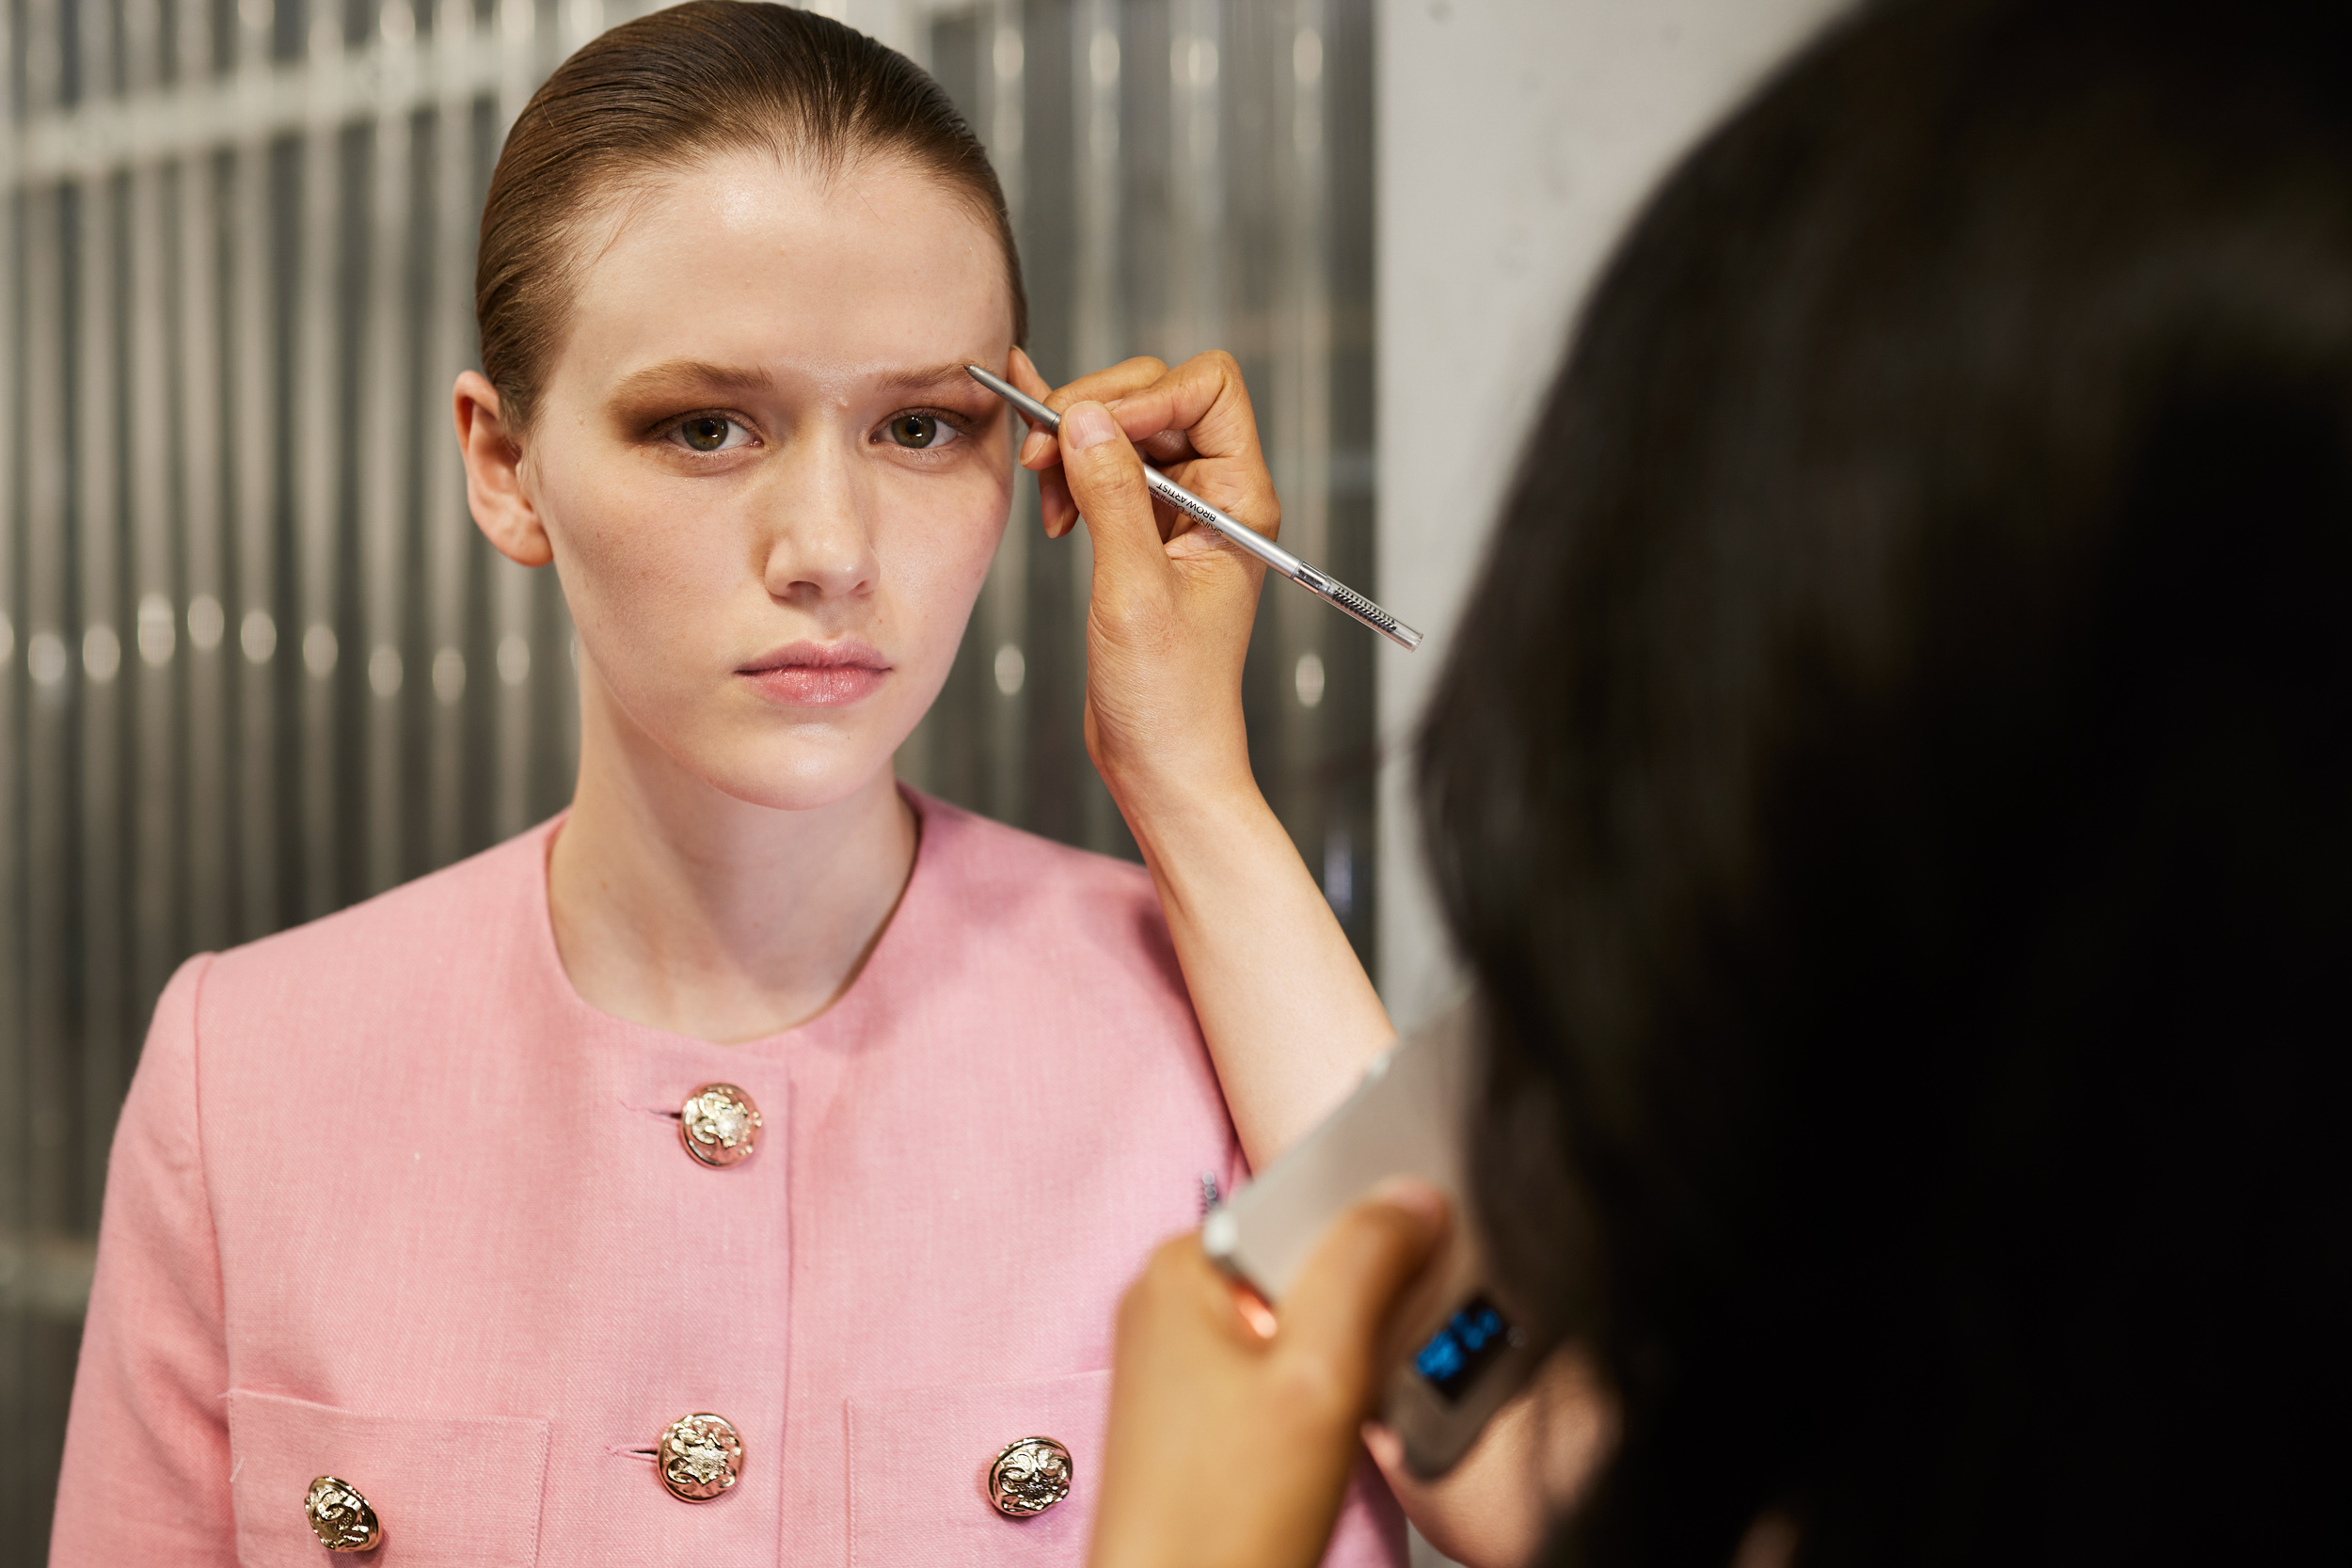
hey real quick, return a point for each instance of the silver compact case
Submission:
(1462, 1347)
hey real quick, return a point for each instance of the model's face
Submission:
(770, 489)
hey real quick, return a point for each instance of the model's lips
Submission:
(818, 674)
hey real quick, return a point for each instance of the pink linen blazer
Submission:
(389, 1201)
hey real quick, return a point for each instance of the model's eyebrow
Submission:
(678, 374)
(924, 380)
(673, 375)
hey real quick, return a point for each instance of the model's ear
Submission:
(494, 481)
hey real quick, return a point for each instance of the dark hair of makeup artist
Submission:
(656, 97)
(1894, 788)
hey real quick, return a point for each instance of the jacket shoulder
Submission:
(1020, 875)
(438, 932)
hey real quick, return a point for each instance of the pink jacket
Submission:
(389, 1202)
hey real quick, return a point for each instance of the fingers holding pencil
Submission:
(1218, 452)
(1194, 422)
(1039, 452)
(1167, 630)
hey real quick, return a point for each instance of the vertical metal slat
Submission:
(49, 664)
(383, 466)
(97, 565)
(153, 620)
(207, 823)
(315, 398)
(251, 335)
(449, 335)
(14, 1131)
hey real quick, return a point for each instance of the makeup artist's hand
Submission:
(1168, 628)
(1228, 1447)
(1289, 1015)
(1167, 624)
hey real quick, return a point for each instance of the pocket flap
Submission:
(919, 1472)
(446, 1489)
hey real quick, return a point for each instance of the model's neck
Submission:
(677, 906)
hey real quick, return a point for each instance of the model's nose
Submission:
(819, 545)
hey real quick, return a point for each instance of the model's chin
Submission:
(808, 767)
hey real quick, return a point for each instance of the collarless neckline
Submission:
(882, 961)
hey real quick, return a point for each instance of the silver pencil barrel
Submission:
(1274, 555)
(1357, 604)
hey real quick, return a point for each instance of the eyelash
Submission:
(954, 426)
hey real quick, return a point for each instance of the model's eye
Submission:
(712, 433)
(921, 432)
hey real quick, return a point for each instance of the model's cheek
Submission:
(941, 548)
(636, 583)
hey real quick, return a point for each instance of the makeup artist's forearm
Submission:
(1290, 1016)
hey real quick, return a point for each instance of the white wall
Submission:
(1517, 138)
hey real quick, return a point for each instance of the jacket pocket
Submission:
(919, 1460)
(446, 1489)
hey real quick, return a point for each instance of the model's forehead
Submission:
(747, 257)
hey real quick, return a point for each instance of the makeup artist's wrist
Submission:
(1149, 748)
(1177, 799)
(1213, 855)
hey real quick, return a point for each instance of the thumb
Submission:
(1339, 1305)
(1106, 480)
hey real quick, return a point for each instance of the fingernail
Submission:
(1414, 1195)
(1086, 424)
(1036, 445)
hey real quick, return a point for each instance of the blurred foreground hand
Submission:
(1234, 1432)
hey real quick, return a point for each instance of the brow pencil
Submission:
(1243, 534)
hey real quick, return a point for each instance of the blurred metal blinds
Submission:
(255, 661)
(266, 666)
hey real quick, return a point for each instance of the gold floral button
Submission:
(700, 1457)
(719, 1125)
(341, 1517)
(1030, 1477)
